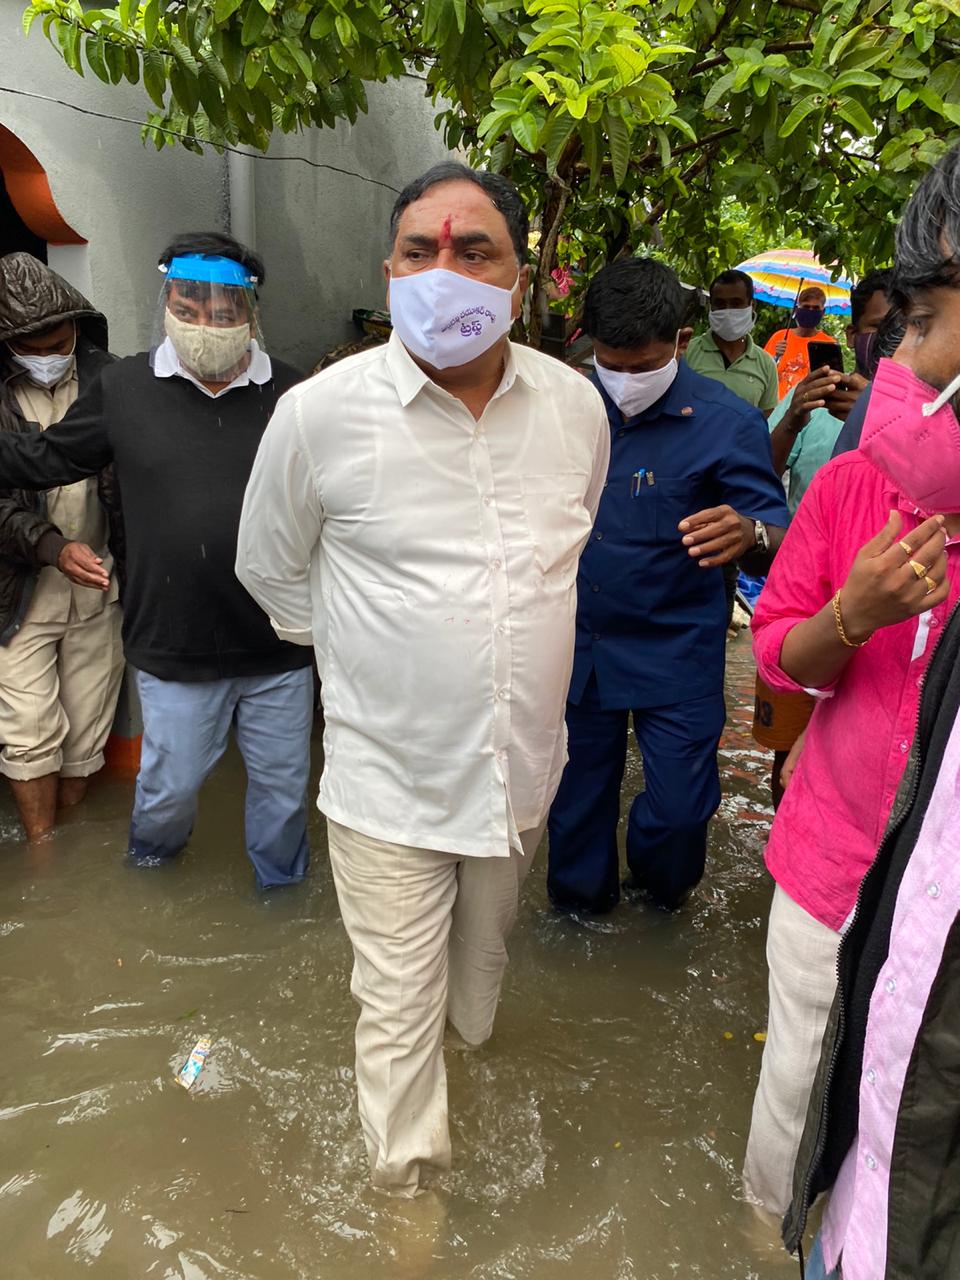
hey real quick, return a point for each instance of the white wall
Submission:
(325, 235)
(322, 234)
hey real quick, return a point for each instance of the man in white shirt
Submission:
(417, 512)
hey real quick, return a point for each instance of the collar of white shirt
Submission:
(409, 379)
(166, 364)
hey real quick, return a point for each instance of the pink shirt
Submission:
(832, 817)
(855, 1223)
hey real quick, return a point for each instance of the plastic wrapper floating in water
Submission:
(191, 1069)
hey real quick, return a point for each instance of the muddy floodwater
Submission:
(599, 1135)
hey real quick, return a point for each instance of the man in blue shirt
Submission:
(690, 487)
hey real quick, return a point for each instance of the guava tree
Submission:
(625, 122)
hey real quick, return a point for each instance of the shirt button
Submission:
(502, 695)
(933, 890)
(890, 986)
(598, 536)
(934, 622)
(606, 484)
(871, 1076)
(595, 587)
(496, 564)
(501, 629)
(870, 1162)
(904, 747)
(487, 499)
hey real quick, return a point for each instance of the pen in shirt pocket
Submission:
(639, 478)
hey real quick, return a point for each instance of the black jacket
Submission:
(33, 297)
(182, 461)
(924, 1202)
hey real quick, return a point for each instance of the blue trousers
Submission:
(667, 828)
(185, 732)
(816, 1267)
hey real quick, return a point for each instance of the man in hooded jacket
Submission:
(61, 660)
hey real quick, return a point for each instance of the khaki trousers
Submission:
(429, 933)
(802, 959)
(59, 683)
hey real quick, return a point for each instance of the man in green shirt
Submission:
(727, 352)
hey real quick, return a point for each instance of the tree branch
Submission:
(780, 46)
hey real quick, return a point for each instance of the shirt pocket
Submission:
(557, 521)
(676, 499)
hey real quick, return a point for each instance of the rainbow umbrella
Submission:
(780, 274)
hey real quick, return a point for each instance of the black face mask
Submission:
(809, 317)
(863, 344)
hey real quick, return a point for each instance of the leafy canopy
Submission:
(627, 123)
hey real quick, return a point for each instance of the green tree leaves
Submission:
(635, 122)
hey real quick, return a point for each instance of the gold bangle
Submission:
(838, 617)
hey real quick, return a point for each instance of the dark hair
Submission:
(218, 244)
(734, 277)
(633, 302)
(503, 195)
(861, 293)
(928, 237)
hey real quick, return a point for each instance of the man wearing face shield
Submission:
(417, 512)
(181, 425)
(60, 655)
(690, 488)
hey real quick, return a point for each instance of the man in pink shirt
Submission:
(854, 605)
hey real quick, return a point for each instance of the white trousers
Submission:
(802, 959)
(429, 932)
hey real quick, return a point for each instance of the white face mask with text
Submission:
(448, 319)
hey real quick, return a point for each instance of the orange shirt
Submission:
(795, 364)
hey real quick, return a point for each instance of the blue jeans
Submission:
(816, 1267)
(185, 733)
(667, 828)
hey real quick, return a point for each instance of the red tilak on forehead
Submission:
(445, 240)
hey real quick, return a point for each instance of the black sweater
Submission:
(182, 462)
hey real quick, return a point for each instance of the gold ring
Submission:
(919, 569)
(931, 585)
(905, 546)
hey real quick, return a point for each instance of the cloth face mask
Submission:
(447, 319)
(46, 371)
(733, 323)
(808, 317)
(205, 349)
(912, 436)
(634, 392)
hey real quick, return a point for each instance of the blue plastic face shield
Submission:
(210, 291)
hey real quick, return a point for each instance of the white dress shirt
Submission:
(166, 364)
(432, 560)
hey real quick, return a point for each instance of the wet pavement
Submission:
(599, 1135)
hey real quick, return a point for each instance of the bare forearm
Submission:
(782, 439)
(813, 653)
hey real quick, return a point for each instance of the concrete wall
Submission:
(322, 234)
(325, 234)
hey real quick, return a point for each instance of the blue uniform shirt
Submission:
(650, 621)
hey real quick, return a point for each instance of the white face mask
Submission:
(46, 371)
(634, 392)
(733, 323)
(447, 319)
(204, 349)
